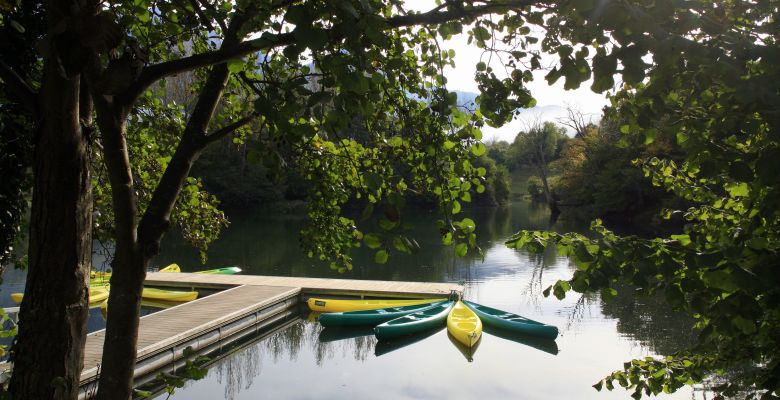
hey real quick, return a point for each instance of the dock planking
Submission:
(241, 296)
(309, 286)
(165, 329)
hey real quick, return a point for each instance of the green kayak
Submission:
(420, 321)
(221, 271)
(512, 322)
(372, 317)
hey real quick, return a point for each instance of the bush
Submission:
(535, 187)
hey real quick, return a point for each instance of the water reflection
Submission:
(595, 339)
(467, 352)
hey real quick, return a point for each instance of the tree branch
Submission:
(226, 130)
(19, 88)
(267, 41)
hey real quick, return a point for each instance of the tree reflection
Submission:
(651, 321)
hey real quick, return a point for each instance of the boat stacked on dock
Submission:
(393, 319)
(99, 288)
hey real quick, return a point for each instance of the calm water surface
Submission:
(305, 362)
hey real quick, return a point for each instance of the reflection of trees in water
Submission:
(651, 321)
(238, 370)
(532, 290)
(358, 348)
(582, 309)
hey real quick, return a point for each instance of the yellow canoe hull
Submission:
(102, 277)
(464, 325)
(96, 295)
(339, 305)
(168, 295)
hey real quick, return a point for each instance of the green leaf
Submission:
(455, 207)
(395, 141)
(683, 239)
(236, 65)
(381, 257)
(607, 294)
(461, 249)
(372, 241)
(480, 33)
(738, 189)
(560, 288)
(478, 149)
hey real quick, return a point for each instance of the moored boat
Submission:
(546, 345)
(168, 295)
(464, 325)
(96, 295)
(221, 271)
(512, 322)
(372, 317)
(101, 278)
(342, 305)
(429, 318)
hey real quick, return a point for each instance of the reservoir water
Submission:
(305, 362)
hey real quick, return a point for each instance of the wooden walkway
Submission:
(246, 302)
(348, 287)
(177, 327)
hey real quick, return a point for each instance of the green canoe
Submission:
(221, 271)
(372, 317)
(420, 321)
(512, 322)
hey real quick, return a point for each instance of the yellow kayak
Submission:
(102, 277)
(464, 325)
(96, 295)
(340, 305)
(168, 295)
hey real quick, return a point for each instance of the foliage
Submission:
(535, 187)
(16, 134)
(539, 144)
(598, 177)
(154, 131)
(500, 152)
(713, 72)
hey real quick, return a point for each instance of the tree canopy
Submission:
(708, 67)
(711, 77)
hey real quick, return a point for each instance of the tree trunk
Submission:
(137, 244)
(129, 272)
(124, 305)
(48, 354)
(551, 203)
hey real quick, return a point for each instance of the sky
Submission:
(551, 100)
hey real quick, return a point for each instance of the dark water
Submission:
(305, 362)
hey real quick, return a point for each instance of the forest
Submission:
(122, 121)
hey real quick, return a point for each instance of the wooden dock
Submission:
(164, 335)
(309, 286)
(246, 304)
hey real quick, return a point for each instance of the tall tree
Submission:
(55, 308)
(104, 58)
(537, 146)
